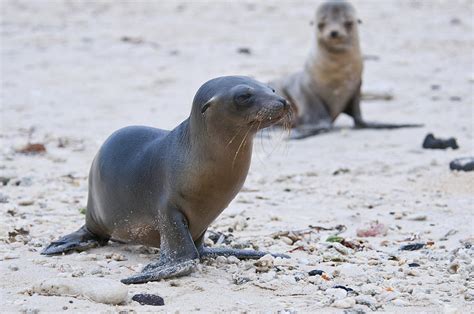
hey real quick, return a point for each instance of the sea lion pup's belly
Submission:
(164, 188)
(331, 79)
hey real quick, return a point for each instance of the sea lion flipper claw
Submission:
(162, 272)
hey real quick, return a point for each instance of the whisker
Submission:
(233, 138)
(242, 143)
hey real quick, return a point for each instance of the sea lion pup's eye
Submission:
(271, 88)
(321, 26)
(349, 24)
(207, 105)
(244, 96)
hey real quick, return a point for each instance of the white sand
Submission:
(67, 74)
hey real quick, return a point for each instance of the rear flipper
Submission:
(207, 252)
(79, 240)
(353, 110)
(377, 125)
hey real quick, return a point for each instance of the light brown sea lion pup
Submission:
(164, 188)
(330, 82)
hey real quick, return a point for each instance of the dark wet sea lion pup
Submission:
(330, 83)
(164, 188)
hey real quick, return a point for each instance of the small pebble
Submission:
(221, 260)
(3, 198)
(13, 268)
(265, 263)
(26, 202)
(412, 246)
(336, 293)
(174, 283)
(244, 50)
(315, 272)
(344, 303)
(116, 257)
(239, 279)
(347, 289)
(453, 267)
(399, 302)
(148, 299)
(341, 248)
(10, 256)
(287, 240)
(417, 218)
(366, 300)
(469, 295)
(232, 260)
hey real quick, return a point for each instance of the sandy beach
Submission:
(72, 72)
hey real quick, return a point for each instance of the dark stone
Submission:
(344, 287)
(244, 50)
(148, 299)
(412, 246)
(413, 265)
(431, 142)
(315, 272)
(462, 164)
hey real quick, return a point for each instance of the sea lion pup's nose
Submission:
(280, 101)
(334, 34)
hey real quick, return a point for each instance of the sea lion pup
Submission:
(330, 82)
(164, 188)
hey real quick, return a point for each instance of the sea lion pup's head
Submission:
(336, 26)
(237, 102)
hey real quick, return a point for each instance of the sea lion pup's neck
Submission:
(220, 140)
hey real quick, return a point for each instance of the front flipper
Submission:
(207, 252)
(178, 253)
(162, 272)
(79, 240)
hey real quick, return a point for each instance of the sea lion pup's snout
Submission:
(272, 110)
(336, 25)
(231, 102)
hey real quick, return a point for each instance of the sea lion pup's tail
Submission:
(79, 240)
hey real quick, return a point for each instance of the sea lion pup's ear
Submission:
(359, 21)
(311, 23)
(207, 105)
